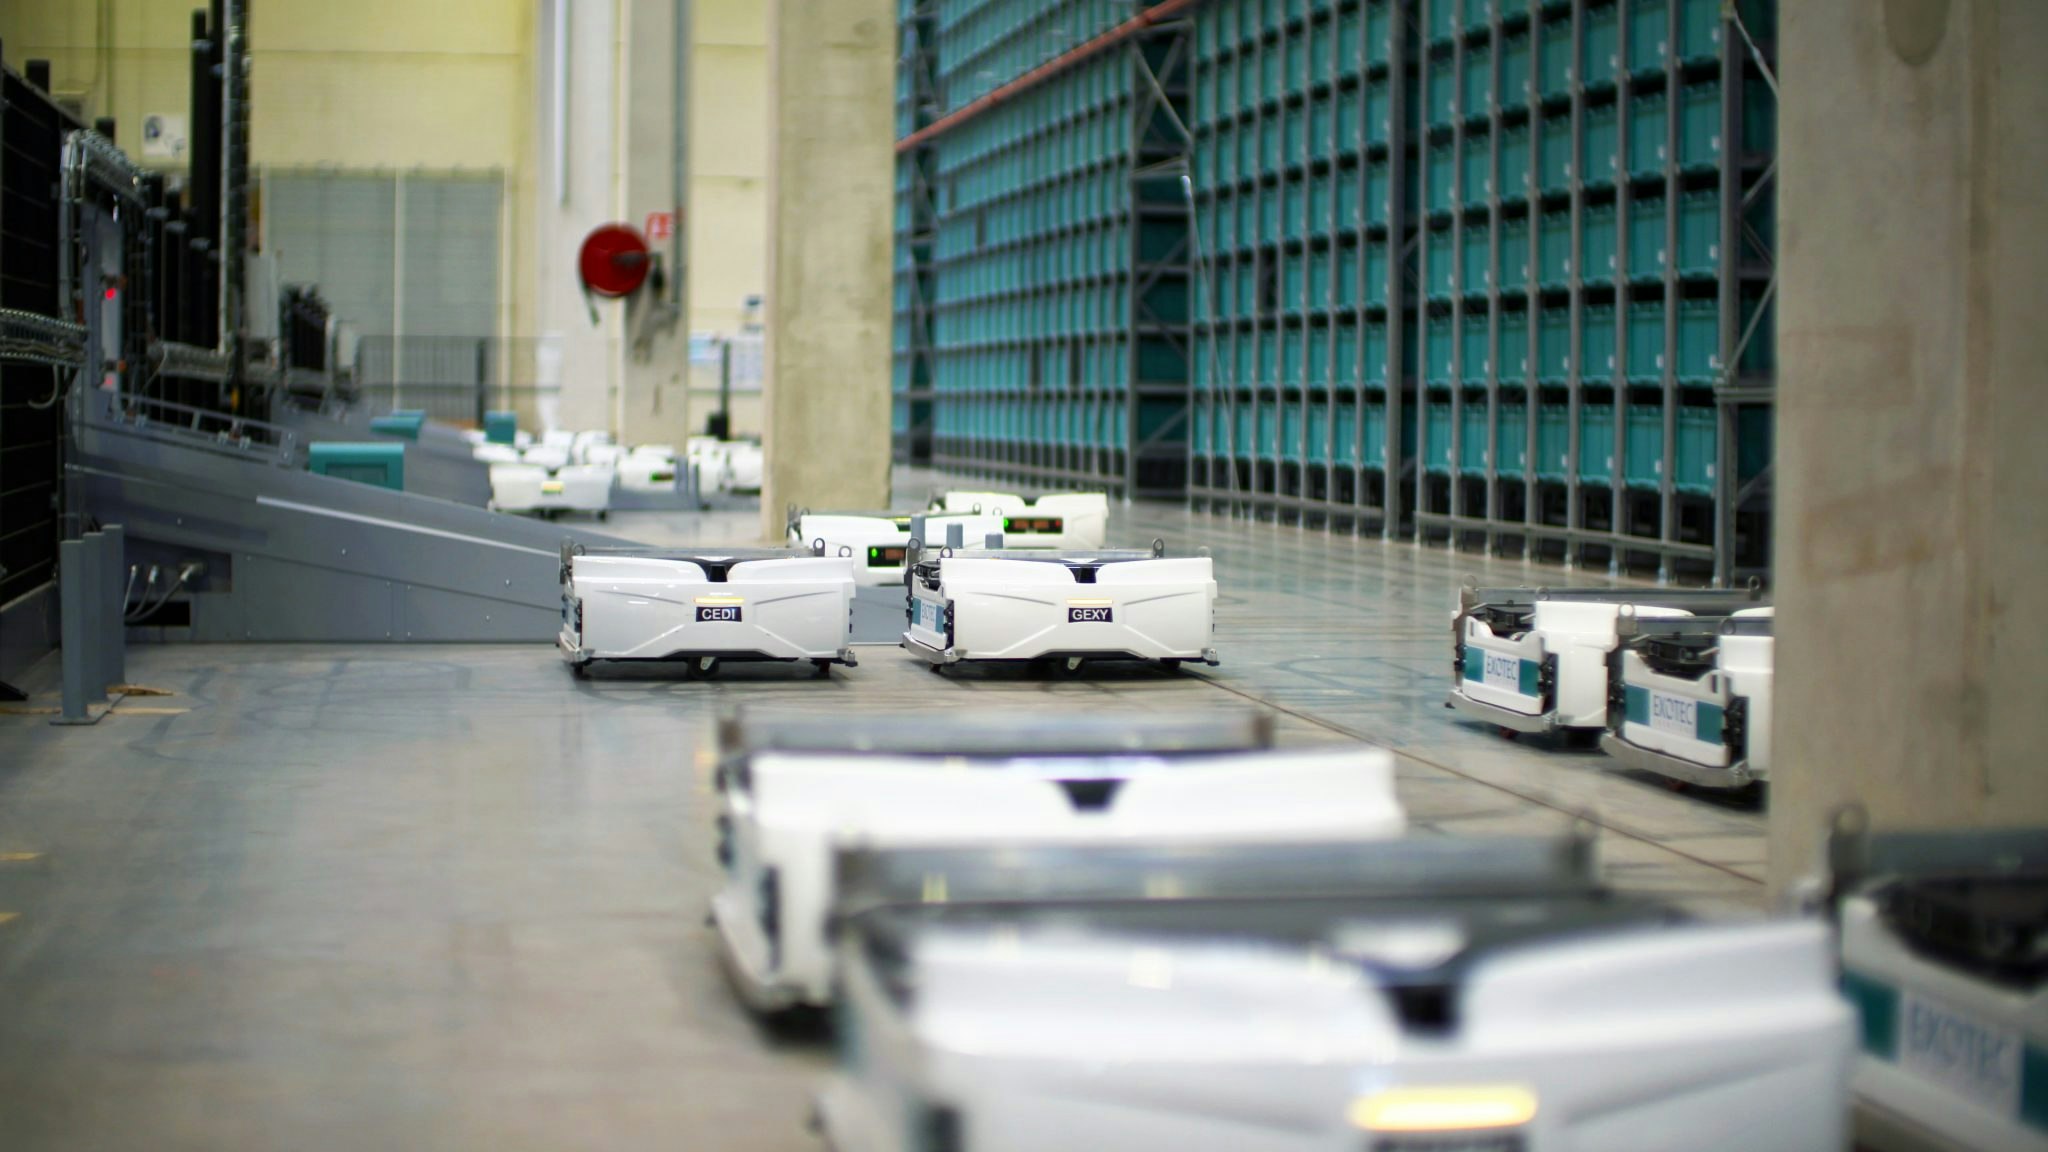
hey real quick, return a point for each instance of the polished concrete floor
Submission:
(448, 897)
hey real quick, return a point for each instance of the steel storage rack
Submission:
(1641, 388)
(1044, 322)
(1490, 272)
(1302, 174)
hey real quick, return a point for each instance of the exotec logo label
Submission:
(1088, 616)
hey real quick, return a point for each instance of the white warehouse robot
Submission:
(794, 790)
(1061, 606)
(1944, 941)
(1691, 698)
(1419, 994)
(880, 541)
(1410, 995)
(1055, 520)
(706, 606)
(1535, 659)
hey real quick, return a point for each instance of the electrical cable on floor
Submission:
(56, 390)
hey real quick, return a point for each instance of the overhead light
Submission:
(1448, 1108)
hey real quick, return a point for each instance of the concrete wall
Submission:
(367, 84)
(1912, 497)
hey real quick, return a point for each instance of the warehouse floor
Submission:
(449, 897)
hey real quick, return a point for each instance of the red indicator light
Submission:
(110, 293)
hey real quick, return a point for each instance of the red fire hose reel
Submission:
(614, 261)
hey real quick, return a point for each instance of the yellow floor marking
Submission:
(19, 857)
(6, 916)
(124, 710)
(139, 690)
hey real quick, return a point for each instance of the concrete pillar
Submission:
(1912, 499)
(654, 354)
(831, 189)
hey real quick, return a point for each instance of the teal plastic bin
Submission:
(1478, 14)
(1514, 164)
(1554, 156)
(1646, 240)
(1600, 48)
(1473, 433)
(1646, 342)
(1379, 191)
(1475, 339)
(1442, 180)
(1516, 59)
(1373, 361)
(1554, 251)
(1475, 260)
(501, 427)
(1596, 344)
(1599, 263)
(1511, 441)
(1439, 340)
(1554, 70)
(1699, 341)
(1698, 449)
(1596, 443)
(1599, 144)
(1554, 346)
(1511, 352)
(1379, 114)
(1553, 442)
(1348, 200)
(1344, 353)
(1475, 165)
(1443, 267)
(1445, 16)
(1375, 287)
(1440, 98)
(1699, 235)
(1319, 433)
(1436, 439)
(1649, 36)
(1699, 127)
(1514, 255)
(1339, 283)
(1374, 434)
(1644, 467)
(1699, 31)
(1476, 102)
(1648, 147)
(379, 465)
(1344, 435)
(404, 423)
(1293, 418)
(1319, 279)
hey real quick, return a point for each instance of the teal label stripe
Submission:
(1475, 665)
(1638, 705)
(1877, 1006)
(1708, 723)
(1531, 674)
